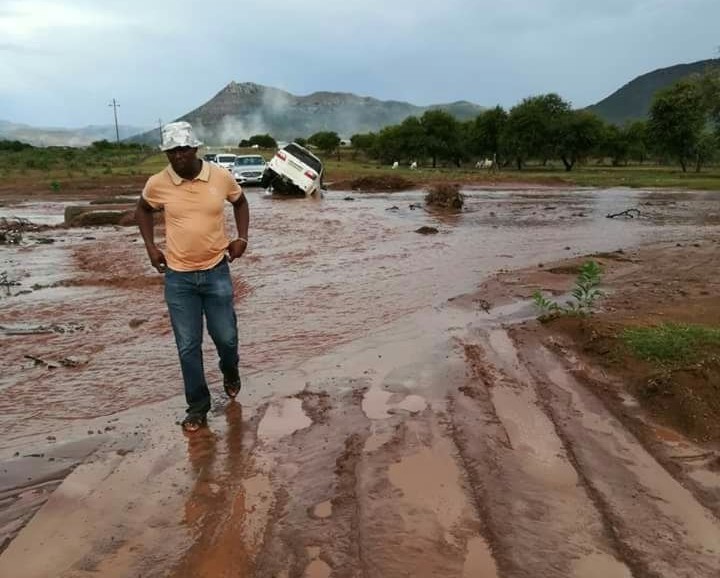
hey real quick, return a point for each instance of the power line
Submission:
(115, 107)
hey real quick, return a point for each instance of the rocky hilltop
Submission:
(242, 109)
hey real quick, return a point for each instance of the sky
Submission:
(62, 63)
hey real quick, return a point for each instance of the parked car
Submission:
(294, 170)
(225, 160)
(209, 157)
(248, 169)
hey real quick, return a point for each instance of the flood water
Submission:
(85, 331)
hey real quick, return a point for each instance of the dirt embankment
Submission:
(675, 283)
(38, 187)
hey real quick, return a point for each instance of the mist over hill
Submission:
(241, 110)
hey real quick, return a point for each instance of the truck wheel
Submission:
(267, 178)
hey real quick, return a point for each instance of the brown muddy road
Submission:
(386, 428)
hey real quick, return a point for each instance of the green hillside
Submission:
(632, 101)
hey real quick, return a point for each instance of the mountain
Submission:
(241, 110)
(632, 101)
(46, 136)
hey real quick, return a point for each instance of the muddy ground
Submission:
(403, 413)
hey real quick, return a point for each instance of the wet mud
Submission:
(395, 420)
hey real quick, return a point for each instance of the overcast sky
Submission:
(62, 62)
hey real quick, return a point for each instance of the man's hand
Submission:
(236, 249)
(157, 259)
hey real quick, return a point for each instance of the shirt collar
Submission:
(203, 176)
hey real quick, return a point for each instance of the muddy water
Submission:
(382, 430)
(317, 274)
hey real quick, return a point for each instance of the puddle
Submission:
(600, 566)
(479, 562)
(430, 480)
(412, 403)
(375, 403)
(317, 569)
(706, 478)
(282, 419)
(323, 510)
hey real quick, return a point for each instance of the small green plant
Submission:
(586, 289)
(585, 292)
(544, 304)
(55, 186)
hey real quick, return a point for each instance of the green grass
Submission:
(671, 344)
(589, 175)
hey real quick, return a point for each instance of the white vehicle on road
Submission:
(294, 170)
(225, 160)
(248, 169)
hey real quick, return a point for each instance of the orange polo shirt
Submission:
(195, 233)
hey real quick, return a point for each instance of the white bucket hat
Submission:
(178, 134)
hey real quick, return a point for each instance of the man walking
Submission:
(192, 194)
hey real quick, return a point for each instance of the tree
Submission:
(388, 144)
(636, 134)
(625, 143)
(404, 141)
(326, 141)
(301, 141)
(614, 144)
(485, 132)
(706, 149)
(532, 128)
(579, 133)
(264, 141)
(677, 119)
(14, 145)
(364, 143)
(442, 136)
(709, 85)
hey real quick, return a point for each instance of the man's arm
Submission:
(144, 217)
(241, 212)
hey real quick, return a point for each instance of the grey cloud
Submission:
(166, 58)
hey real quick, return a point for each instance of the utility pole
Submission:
(115, 107)
(161, 135)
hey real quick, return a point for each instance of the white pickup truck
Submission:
(294, 170)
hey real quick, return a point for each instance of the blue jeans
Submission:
(190, 296)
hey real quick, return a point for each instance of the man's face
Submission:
(182, 159)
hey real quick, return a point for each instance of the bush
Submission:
(445, 195)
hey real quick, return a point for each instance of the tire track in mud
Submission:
(539, 520)
(361, 498)
(417, 508)
(314, 525)
(660, 529)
